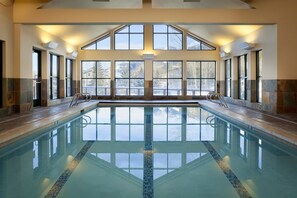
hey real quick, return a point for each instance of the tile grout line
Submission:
(57, 187)
(237, 185)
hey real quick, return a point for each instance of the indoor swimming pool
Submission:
(148, 151)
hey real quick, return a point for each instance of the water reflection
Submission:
(139, 143)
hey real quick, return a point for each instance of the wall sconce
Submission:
(50, 45)
(148, 56)
(247, 46)
(224, 54)
(73, 54)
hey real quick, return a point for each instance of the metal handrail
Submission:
(77, 96)
(221, 100)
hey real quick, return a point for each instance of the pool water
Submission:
(150, 151)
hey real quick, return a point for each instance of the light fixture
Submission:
(148, 56)
(73, 54)
(224, 54)
(247, 46)
(50, 45)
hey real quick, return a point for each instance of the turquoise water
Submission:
(149, 151)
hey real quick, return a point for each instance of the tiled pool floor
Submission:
(283, 126)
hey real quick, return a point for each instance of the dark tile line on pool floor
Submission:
(237, 185)
(56, 188)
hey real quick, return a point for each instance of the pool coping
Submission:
(22, 131)
(254, 124)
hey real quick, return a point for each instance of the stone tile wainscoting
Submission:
(278, 96)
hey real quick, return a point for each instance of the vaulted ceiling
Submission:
(78, 34)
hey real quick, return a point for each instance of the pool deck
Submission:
(16, 126)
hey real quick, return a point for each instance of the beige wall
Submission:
(282, 13)
(6, 34)
(32, 36)
(265, 39)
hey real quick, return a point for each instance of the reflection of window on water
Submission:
(198, 129)
(35, 153)
(53, 143)
(99, 126)
(68, 133)
(260, 154)
(129, 123)
(131, 163)
(228, 134)
(104, 156)
(190, 157)
(163, 163)
(167, 123)
(243, 144)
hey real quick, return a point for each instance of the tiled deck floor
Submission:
(283, 126)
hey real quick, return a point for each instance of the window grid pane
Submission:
(167, 37)
(201, 77)
(96, 76)
(242, 77)
(167, 78)
(129, 78)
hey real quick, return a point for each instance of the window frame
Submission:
(167, 33)
(96, 77)
(68, 79)
(228, 77)
(129, 37)
(129, 78)
(167, 79)
(96, 41)
(201, 43)
(242, 77)
(200, 79)
(52, 97)
(259, 77)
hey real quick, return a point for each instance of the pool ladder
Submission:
(221, 100)
(77, 96)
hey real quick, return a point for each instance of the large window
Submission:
(129, 37)
(167, 37)
(68, 77)
(242, 77)
(54, 76)
(194, 43)
(167, 78)
(96, 77)
(129, 78)
(259, 75)
(201, 77)
(103, 43)
(228, 79)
